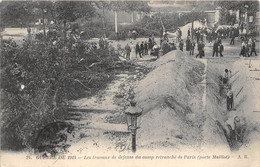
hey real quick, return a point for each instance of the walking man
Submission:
(200, 49)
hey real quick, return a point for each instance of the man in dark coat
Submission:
(134, 34)
(201, 50)
(137, 49)
(150, 43)
(181, 45)
(188, 44)
(232, 34)
(192, 47)
(215, 48)
(253, 48)
(127, 50)
(221, 49)
(146, 48)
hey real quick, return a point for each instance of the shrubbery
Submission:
(39, 77)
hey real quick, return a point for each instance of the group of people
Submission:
(218, 48)
(132, 34)
(248, 48)
(141, 49)
(229, 95)
(200, 35)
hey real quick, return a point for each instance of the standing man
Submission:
(141, 53)
(232, 34)
(226, 76)
(150, 43)
(192, 47)
(188, 32)
(137, 49)
(134, 34)
(156, 49)
(230, 99)
(188, 44)
(128, 50)
(215, 48)
(145, 48)
(221, 49)
(129, 35)
(200, 49)
(181, 45)
(253, 48)
(164, 47)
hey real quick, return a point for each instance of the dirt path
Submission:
(100, 120)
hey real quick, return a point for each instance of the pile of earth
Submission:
(181, 113)
(171, 99)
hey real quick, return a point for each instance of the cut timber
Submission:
(255, 70)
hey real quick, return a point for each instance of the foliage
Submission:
(23, 13)
(39, 77)
(253, 6)
(71, 10)
(127, 6)
(152, 25)
(15, 14)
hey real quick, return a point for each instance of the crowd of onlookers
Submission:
(196, 38)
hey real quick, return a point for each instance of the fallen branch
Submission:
(43, 98)
(94, 64)
(33, 104)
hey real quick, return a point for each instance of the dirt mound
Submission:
(170, 97)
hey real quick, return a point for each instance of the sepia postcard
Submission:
(130, 83)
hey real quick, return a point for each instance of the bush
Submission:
(39, 36)
(38, 79)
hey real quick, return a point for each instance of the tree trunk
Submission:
(103, 20)
(132, 16)
(43, 23)
(116, 21)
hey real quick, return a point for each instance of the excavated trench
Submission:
(234, 126)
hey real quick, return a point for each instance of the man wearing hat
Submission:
(230, 99)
